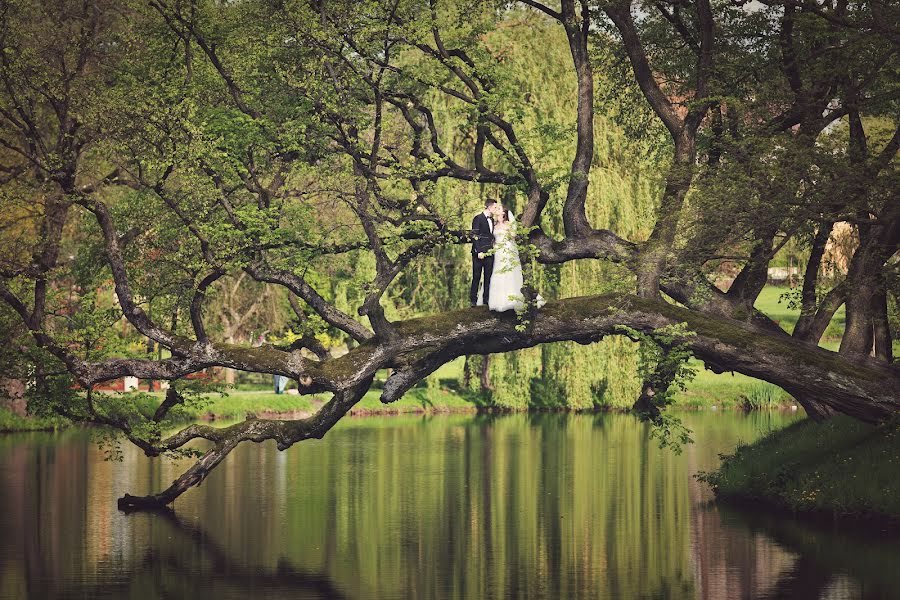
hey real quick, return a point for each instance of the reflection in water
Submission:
(554, 506)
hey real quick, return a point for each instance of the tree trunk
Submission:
(812, 330)
(654, 257)
(859, 331)
(815, 410)
(750, 281)
(866, 284)
(151, 347)
(808, 298)
(486, 373)
(881, 327)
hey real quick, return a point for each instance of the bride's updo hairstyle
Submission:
(506, 215)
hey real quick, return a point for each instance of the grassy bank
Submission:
(265, 403)
(418, 400)
(237, 404)
(841, 467)
(10, 422)
(731, 391)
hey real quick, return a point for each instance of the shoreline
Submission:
(870, 521)
(28, 424)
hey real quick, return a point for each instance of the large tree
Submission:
(164, 148)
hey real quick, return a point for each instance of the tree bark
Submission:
(486, 373)
(809, 298)
(866, 284)
(577, 28)
(880, 326)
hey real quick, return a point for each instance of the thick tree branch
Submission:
(620, 13)
(134, 313)
(577, 25)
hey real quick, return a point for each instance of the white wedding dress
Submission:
(506, 280)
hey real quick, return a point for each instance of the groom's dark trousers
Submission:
(481, 265)
(482, 242)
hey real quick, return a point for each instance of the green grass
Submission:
(773, 304)
(729, 390)
(417, 400)
(10, 421)
(841, 467)
(236, 405)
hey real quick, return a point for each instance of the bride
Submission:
(505, 292)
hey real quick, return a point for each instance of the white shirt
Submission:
(490, 220)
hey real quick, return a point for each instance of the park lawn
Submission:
(233, 405)
(451, 370)
(729, 390)
(771, 302)
(238, 404)
(841, 467)
(417, 400)
(266, 403)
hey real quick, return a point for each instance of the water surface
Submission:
(521, 506)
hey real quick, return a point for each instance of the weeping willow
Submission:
(536, 63)
(619, 198)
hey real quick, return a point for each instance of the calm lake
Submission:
(521, 506)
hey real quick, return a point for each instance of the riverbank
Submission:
(707, 391)
(442, 393)
(11, 422)
(841, 468)
(712, 392)
(265, 404)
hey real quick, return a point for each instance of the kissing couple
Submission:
(495, 259)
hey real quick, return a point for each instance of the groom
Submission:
(482, 242)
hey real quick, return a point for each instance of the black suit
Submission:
(482, 241)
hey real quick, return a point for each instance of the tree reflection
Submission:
(549, 505)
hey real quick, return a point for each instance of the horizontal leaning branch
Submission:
(850, 385)
(862, 388)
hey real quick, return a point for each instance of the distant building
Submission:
(840, 248)
(782, 275)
